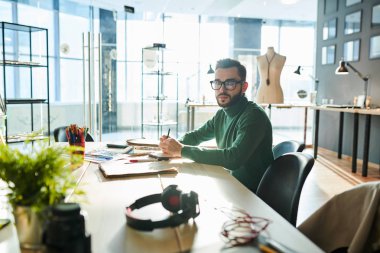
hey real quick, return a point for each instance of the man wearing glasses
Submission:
(242, 130)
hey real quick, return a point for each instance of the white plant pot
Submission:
(29, 228)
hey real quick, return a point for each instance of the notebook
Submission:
(143, 142)
(161, 156)
(123, 168)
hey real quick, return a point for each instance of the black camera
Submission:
(65, 230)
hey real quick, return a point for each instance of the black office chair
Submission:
(282, 183)
(60, 135)
(287, 147)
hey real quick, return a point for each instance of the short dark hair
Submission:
(230, 63)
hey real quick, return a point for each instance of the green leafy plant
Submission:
(37, 176)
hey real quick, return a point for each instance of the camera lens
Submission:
(66, 209)
(65, 230)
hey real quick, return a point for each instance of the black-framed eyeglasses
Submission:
(228, 84)
(241, 228)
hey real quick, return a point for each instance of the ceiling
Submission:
(302, 10)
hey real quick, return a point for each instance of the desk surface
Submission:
(348, 110)
(107, 199)
(191, 105)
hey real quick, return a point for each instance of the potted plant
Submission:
(37, 176)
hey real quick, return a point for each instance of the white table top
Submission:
(348, 110)
(107, 199)
(193, 104)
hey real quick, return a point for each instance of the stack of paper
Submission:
(105, 154)
(124, 168)
(161, 156)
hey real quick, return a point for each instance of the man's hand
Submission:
(170, 146)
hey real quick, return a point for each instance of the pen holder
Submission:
(76, 137)
(77, 153)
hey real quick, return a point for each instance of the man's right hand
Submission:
(170, 146)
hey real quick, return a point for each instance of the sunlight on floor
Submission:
(320, 185)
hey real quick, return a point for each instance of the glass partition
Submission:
(212, 38)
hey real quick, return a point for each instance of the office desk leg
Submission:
(188, 118)
(366, 145)
(341, 121)
(305, 127)
(316, 130)
(355, 142)
(192, 119)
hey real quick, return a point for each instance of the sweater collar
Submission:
(236, 108)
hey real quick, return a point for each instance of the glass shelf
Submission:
(26, 101)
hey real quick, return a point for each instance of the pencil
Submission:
(266, 249)
(167, 136)
(139, 154)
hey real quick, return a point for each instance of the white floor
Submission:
(320, 185)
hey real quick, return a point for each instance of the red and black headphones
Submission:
(183, 206)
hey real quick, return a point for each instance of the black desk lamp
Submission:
(316, 81)
(210, 70)
(342, 70)
(313, 98)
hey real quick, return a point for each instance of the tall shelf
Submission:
(159, 93)
(25, 78)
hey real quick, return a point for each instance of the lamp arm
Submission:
(364, 78)
(313, 78)
(316, 81)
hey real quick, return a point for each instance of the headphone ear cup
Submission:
(171, 198)
(189, 204)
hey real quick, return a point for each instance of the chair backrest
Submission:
(282, 183)
(287, 147)
(60, 135)
(348, 222)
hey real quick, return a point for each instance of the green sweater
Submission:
(243, 133)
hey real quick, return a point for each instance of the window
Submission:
(352, 2)
(329, 29)
(212, 38)
(376, 15)
(351, 50)
(6, 11)
(73, 24)
(328, 55)
(352, 22)
(374, 47)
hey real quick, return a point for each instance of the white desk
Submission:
(215, 187)
(192, 106)
(367, 130)
(107, 199)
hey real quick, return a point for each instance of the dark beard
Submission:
(233, 100)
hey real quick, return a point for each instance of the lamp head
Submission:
(298, 70)
(210, 70)
(342, 69)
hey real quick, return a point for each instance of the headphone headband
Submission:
(184, 207)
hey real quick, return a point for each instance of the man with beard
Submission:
(242, 130)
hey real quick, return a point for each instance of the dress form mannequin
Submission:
(270, 66)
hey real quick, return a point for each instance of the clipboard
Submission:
(122, 168)
(143, 142)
